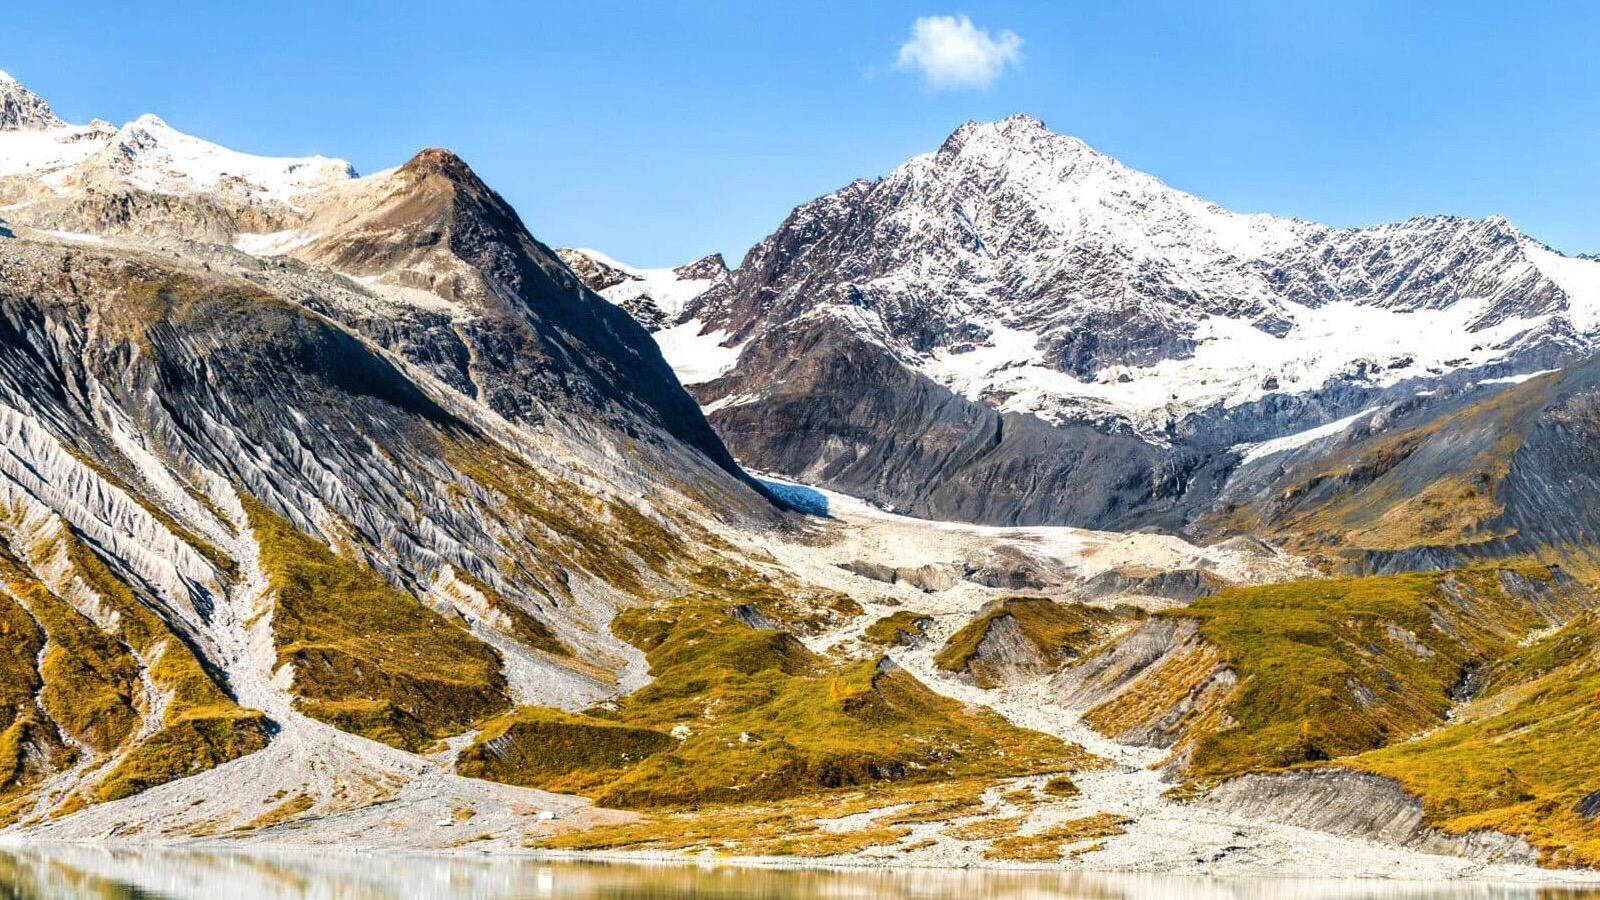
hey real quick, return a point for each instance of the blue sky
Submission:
(659, 131)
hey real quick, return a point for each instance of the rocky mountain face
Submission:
(657, 298)
(22, 109)
(294, 456)
(1504, 471)
(1024, 272)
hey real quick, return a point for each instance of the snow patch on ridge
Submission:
(1251, 452)
(670, 292)
(696, 358)
(1578, 278)
(274, 243)
(48, 154)
(153, 156)
(165, 160)
(1518, 379)
(1234, 362)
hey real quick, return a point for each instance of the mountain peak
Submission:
(1018, 141)
(439, 161)
(22, 109)
(1012, 125)
(707, 268)
(1021, 123)
(1016, 130)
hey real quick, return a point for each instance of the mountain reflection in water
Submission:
(70, 872)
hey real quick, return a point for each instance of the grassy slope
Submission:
(88, 686)
(899, 628)
(1361, 672)
(367, 657)
(201, 727)
(20, 642)
(1330, 668)
(762, 718)
(1521, 758)
(1430, 485)
(1059, 631)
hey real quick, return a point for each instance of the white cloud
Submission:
(952, 53)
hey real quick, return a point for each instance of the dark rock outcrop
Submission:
(840, 411)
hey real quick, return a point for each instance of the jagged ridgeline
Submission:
(1017, 329)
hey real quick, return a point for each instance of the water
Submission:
(70, 872)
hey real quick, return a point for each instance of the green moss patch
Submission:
(756, 716)
(1057, 631)
(1330, 668)
(1061, 786)
(356, 643)
(186, 746)
(549, 749)
(898, 629)
(20, 642)
(86, 680)
(380, 720)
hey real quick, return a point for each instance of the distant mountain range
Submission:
(1017, 271)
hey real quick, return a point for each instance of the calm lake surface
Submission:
(69, 872)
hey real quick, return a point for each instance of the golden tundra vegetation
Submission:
(875, 818)
(751, 715)
(1371, 673)
(901, 628)
(1521, 757)
(1057, 632)
(744, 739)
(1433, 485)
(87, 682)
(367, 657)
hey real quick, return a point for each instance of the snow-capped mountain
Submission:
(84, 178)
(338, 510)
(660, 299)
(1023, 271)
(1018, 263)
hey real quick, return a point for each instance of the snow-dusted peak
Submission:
(1015, 140)
(657, 298)
(22, 109)
(711, 267)
(1077, 193)
(1025, 269)
(1015, 127)
(159, 158)
(46, 156)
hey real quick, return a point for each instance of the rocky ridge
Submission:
(1019, 272)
